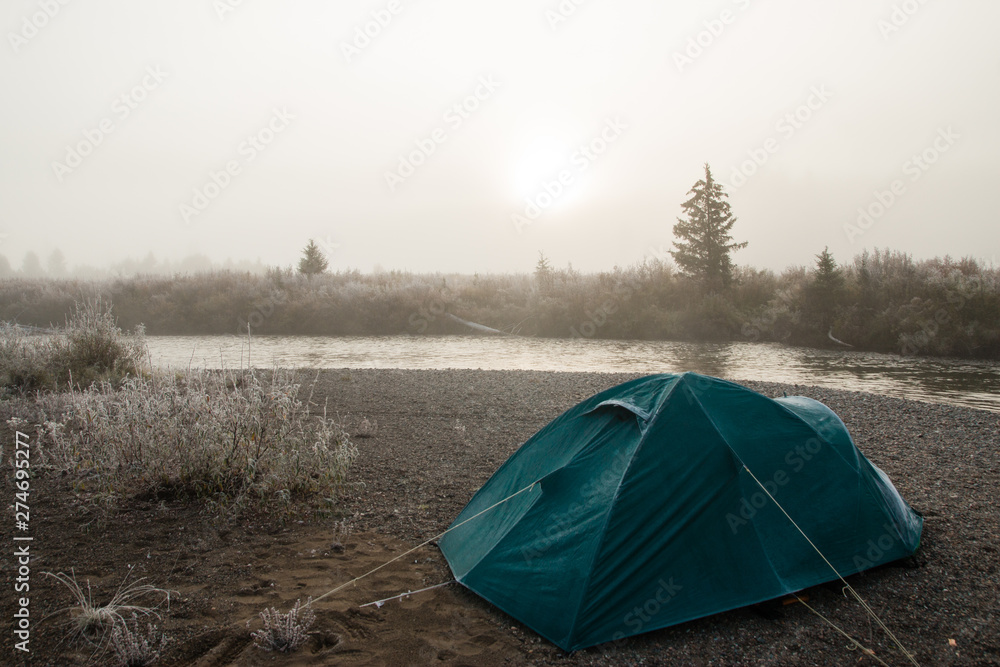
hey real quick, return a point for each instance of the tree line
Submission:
(881, 300)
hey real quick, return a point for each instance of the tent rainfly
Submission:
(660, 501)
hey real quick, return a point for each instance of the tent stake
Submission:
(379, 603)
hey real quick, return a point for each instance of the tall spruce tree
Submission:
(828, 278)
(312, 261)
(543, 273)
(824, 291)
(703, 243)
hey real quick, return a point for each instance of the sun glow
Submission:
(543, 175)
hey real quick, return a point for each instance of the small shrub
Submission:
(26, 361)
(90, 348)
(340, 534)
(284, 632)
(230, 438)
(97, 350)
(134, 648)
(367, 428)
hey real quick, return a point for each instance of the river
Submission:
(955, 381)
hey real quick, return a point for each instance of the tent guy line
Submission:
(419, 546)
(734, 420)
(867, 651)
(666, 512)
(864, 604)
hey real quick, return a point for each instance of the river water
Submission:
(955, 381)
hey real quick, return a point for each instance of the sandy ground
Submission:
(439, 436)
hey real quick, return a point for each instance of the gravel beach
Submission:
(441, 434)
(428, 439)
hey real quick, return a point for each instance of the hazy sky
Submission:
(242, 128)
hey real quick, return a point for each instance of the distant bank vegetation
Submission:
(880, 301)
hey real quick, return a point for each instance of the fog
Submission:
(467, 137)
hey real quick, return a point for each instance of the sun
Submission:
(536, 170)
(540, 163)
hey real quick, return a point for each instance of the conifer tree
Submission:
(543, 273)
(312, 261)
(703, 243)
(828, 278)
(824, 291)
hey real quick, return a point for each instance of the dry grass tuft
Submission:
(97, 622)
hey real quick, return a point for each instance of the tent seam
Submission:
(760, 542)
(829, 441)
(816, 431)
(593, 559)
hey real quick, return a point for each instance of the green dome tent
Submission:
(638, 509)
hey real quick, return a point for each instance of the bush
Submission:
(90, 348)
(96, 350)
(27, 362)
(134, 648)
(284, 632)
(230, 438)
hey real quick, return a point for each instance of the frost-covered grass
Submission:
(96, 621)
(230, 438)
(118, 430)
(133, 647)
(89, 348)
(284, 632)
